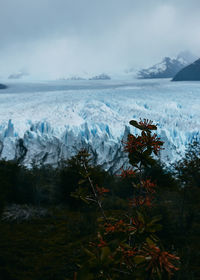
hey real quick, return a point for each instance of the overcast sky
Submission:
(55, 38)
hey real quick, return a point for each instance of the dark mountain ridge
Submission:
(3, 86)
(189, 73)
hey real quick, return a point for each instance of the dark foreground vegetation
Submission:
(80, 222)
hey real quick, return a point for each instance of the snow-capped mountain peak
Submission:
(168, 67)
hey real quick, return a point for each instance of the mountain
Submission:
(101, 77)
(75, 78)
(3, 86)
(189, 73)
(168, 67)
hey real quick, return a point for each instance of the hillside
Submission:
(189, 73)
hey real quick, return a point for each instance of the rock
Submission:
(189, 73)
(3, 86)
(101, 77)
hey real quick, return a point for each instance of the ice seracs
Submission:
(44, 126)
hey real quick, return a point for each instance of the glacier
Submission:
(45, 122)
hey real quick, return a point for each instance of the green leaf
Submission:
(105, 252)
(135, 124)
(156, 219)
(84, 199)
(154, 228)
(89, 253)
(140, 217)
(84, 274)
(139, 259)
(82, 181)
(150, 242)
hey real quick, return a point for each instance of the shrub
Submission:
(127, 246)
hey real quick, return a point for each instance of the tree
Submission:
(72, 176)
(187, 171)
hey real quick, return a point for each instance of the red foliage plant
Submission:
(155, 257)
(130, 243)
(127, 173)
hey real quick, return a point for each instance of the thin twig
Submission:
(95, 193)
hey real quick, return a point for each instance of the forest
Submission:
(78, 221)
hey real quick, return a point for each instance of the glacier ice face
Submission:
(49, 121)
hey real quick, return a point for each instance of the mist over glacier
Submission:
(49, 121)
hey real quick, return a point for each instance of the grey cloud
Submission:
(61, 36)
